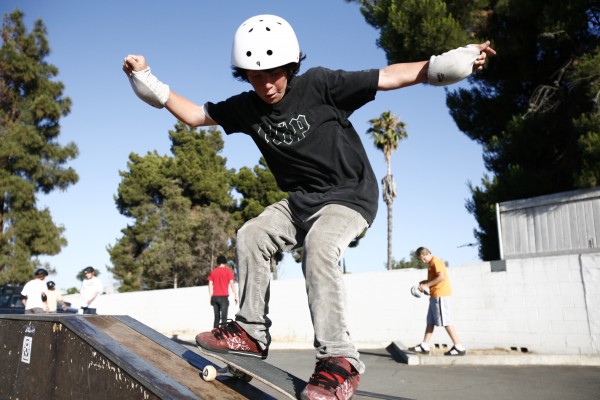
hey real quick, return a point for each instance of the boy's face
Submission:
(269, 84)
(426, 258)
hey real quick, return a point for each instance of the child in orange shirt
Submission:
(439, 313)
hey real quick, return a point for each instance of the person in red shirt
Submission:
(219, 281)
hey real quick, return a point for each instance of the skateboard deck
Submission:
(243, 367)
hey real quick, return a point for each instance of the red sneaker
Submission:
(334, 378)
(231, 338)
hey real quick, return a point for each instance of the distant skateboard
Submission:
(246, 368)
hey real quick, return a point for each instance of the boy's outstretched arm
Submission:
(445, 69)
(155, 93)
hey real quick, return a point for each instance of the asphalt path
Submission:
(386, 378)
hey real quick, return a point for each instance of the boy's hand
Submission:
(484, 50)
(145, 85)
(134, 63)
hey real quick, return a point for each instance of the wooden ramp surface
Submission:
(100, 357)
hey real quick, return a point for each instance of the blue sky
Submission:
(187, 44)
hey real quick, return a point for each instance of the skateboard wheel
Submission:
(209, 373)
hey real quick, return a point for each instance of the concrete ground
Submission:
(395, 380)
(475, 376)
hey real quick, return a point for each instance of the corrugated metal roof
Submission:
(562, 223)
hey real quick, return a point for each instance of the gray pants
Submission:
(325, 235)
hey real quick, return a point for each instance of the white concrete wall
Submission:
(547, 305)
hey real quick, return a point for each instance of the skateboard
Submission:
(248, 368)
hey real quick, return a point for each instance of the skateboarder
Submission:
(300, 124)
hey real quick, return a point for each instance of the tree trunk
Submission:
(389, 236)
(389, 194)
(274, 268)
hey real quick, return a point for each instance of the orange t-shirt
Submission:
(437, 266)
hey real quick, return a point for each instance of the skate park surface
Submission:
(117, 357)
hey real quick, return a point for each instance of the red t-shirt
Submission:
(220, 277)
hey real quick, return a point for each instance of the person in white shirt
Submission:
(91, 289)
(34, 294)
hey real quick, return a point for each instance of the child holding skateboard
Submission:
(300, 124)
(439, 312)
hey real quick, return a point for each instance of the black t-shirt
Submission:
(312, 149)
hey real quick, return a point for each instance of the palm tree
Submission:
(388, 131)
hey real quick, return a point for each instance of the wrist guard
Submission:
(148, 88)
(452, 66)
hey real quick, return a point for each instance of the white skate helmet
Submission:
(264, 42)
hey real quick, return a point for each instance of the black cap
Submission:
(88, 269)
(50, 284)
(41, 271)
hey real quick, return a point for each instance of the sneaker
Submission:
(231, 338)
(334, 378)
(455, 352)
(418, 349)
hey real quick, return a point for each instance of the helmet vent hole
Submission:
(268, 29)
(248, 54)
(269, 52)
(251, 29)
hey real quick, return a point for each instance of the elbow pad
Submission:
(44, 297)
(148, 88)
(452, 66)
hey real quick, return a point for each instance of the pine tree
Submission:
(534, 107)
(31, 159)
(180, 210)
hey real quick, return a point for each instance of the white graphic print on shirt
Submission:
(285, 133)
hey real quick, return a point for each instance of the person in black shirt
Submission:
(300, 124)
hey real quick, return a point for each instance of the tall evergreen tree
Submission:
(534, 107)
(31, 159)
(387, 131)
(180, 209)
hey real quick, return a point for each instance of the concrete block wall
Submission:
(538, 304)
(548, 305)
